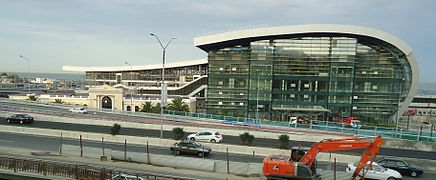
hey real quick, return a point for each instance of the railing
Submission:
(74, 171)
(392, 132)
(47, 168)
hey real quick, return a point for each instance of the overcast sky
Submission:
(53, 33)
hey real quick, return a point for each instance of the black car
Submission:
(403, 167)
(20, 118)
(190, 147)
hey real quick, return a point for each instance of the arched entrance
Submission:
(106, 102)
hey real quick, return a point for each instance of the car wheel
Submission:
(413, 174)
(177, 152)
(192, 139)
(391, 178)
(21, 122)
(200, 154)
(213, 140)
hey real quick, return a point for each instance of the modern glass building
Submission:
(325, 71)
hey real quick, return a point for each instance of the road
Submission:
(52, 144)
(258, 142)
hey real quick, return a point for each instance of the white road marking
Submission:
(6, 141)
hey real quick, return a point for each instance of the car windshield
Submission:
(217, 133)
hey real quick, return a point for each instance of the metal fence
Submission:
(75, 171)
(53, 169)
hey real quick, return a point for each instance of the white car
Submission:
(209, 136)
(81, 110)
(376, 172)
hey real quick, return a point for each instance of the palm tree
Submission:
(156, 109)
(147, 107)
(178, 105)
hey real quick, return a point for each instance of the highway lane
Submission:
(235, 140)
(51, 144)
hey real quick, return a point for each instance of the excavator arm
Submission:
(372, 148)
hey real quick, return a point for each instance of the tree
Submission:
(156, 109)
(246, 138)
(177, 104)
(147, 107)
(178, 133)
(58, 101)
(32, 98)
(284, 141)
(115, 130)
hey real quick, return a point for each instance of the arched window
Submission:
(128, 108)
(136, 108)
(106, 102)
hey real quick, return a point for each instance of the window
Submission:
(233, 68)
(241, 103)
(220, 92)
(354, 107)
(292, 85)
(241, 94)
(374, 87)
(306, 85)
(306, 96)
(292, 95)
(220, 103)
(355, 97)
(221, 69)
(220, 82)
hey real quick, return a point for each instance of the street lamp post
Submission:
(163, 88)
(131, 91)
(28, 72)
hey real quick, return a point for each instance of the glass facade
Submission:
(322, 75)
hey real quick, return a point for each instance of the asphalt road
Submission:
(258, 142)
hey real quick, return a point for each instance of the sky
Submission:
(53, 33)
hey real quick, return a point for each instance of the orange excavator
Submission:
(301, 163)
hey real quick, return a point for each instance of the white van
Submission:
(293, 120)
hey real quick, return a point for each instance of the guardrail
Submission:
(75, 171)
(422, 135)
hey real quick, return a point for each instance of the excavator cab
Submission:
(297, 152)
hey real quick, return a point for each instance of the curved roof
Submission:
(301, 29)
(133, 68)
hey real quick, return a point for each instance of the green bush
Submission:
(178, 133)
(59, 101)
(115, 130)
(284, 141)
(246, 138)
(32, 98)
